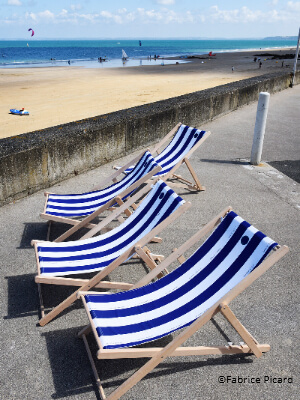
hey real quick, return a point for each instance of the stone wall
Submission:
(37, 160)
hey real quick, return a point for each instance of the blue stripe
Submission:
(197, 256)
(194, 303)
(102, 253)
(173, 146)
(76, 205)
(130, 344)
(110, 190)
(175, 142)
(190, 263)
(182, 150)
(138, 216)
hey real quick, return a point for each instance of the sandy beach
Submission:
(59, 95)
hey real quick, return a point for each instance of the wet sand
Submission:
(59, 95)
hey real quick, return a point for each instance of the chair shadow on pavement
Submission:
(36, 230)
(39, 231)
(72, 373)
(22, 296)
(234, 162)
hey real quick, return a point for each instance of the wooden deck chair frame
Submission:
(181, 182)
(158, 355)
(139, 248)
(86, 222)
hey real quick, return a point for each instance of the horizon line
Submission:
(152, 38)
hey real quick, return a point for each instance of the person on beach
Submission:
(232, 68)
(260, 64)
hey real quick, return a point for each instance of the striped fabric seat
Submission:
(149, 312)
(76, 205)
(94, 254)
(183, 141)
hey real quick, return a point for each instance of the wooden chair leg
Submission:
(42, 309)
(242, 331)
(98, 381)
(197, 185)
(145, 255)
(48, 231)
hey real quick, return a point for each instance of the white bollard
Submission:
(260, 126)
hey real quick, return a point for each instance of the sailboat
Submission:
(124, 55)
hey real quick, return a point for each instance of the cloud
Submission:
(122, 10)
(293, 6)
(14, 3)
(46, 14)
(41, 16)
(235, 16)
(165, 2)
(155, 16)
(245, 15)
(75, 7)
(31, 16)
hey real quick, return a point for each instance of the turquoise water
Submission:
(36, 53)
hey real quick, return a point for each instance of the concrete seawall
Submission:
(37, 160)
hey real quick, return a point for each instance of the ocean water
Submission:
(39, 53)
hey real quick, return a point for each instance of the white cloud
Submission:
(31, 16)
(245, 15)
(293, 6)
(122, 10)
(14, 2)
(273, 3)
(156, 16)
(46, 15)
(75, 7)
(63, 13)
(165, 2)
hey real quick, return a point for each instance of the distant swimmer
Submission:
(69, 62)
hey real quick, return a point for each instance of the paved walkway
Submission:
(51, 363)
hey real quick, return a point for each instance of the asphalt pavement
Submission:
(51, 363)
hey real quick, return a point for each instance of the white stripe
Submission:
(65, 262)
(109, 191)
(176, 148)
(187, 318)
(182, 280)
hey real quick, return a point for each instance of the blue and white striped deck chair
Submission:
(183, 144)
(64, 207)
(232, 257)
(57, 262)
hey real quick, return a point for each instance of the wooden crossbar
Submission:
(179, 351)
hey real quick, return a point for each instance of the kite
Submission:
(32, 31)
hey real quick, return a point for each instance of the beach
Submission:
(58, 95)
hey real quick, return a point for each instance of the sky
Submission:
(98, 19)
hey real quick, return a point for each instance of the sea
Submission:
(108, 53)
